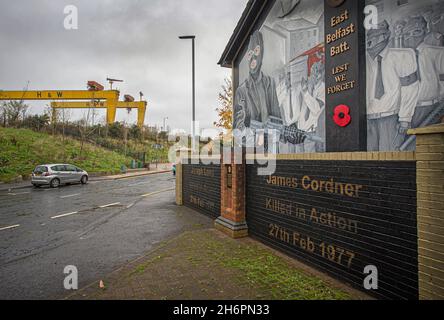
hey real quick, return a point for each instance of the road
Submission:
(97, 227)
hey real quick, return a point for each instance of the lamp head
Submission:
(187, 37)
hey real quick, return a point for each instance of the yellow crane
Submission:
(111, 97)
(108, 99)
(139, 105)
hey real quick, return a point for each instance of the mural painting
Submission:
(282, 80)
(282, 76)
(405, 72)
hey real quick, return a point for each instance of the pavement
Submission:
(130, 234)
(205, 264)
(96, 227)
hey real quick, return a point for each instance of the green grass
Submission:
(273, 276)
(250, 265)
(22, 149)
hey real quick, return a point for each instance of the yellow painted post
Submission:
(141, 110)
(111, 111)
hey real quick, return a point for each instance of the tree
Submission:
(14, 111)
(36, 122)
(135, 132)
(225, 111)
(85, 129)
(64, 118)
(3, 114)
(115, 130)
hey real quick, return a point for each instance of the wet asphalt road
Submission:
(97, 228)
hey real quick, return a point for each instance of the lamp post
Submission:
(193, 81)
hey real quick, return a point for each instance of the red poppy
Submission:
(342, 115)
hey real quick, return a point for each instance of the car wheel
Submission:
(55, 183)
(84, 180)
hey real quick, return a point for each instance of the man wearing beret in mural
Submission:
(392, 89)
(430, 65)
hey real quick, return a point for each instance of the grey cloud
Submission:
(133, 40)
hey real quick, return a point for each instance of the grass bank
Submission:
(22, 149)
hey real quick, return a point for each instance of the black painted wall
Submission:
(354, 136)
(201, 188)
(380, 220)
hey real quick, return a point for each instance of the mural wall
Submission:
(282, 76)
(282, 80)
(405, 71)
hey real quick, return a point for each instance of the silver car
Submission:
(56, 174)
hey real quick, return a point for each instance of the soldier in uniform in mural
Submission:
(430, 73)
(392, 89)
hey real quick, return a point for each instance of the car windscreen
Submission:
(40, 169)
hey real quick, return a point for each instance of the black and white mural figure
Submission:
(405, 72)
(311, 117)
(430, 61)
(392, 87)
(256, 100)
(282, 79)
(435, 20)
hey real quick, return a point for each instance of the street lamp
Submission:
(193, 81)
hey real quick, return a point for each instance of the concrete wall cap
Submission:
(437, 128)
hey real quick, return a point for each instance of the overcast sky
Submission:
(133, 40)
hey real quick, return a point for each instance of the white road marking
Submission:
(16, 194)
(109, 205)
(64, 215)
(129, 206)
(139, 183)
(69, 196)
(156, 192)
(10, 227)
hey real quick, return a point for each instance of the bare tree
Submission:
(3, 113)
(64, 118)
(85, 129)
(14, 111)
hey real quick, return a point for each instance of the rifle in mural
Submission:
(289, 133)
(427, 121)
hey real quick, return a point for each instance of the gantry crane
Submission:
(95, 94)
(139, 105)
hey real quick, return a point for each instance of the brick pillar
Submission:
(232, 219)
(430, 200)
